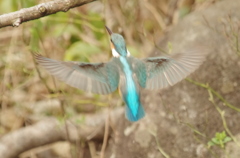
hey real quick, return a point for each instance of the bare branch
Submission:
(52, 130)
(38, 11)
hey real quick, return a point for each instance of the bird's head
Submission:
(118, 44)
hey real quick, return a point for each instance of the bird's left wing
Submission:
(162, 72)
(100, 78)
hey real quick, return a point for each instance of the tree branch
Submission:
(52, 130)
(38, 11)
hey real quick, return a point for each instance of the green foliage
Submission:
(61, 23)
(71, 24)
(8, 6)
(80, 51)
(34, 42)
(95, 24)
(36, 33)
(220, 139)
(28, 3)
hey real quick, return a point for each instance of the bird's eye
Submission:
(111, 40)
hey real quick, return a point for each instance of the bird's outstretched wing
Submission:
(100, 78)
(162, 72)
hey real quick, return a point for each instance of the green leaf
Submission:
(210, 143)
(219, 139)
(227, 139)
(215, 140)
(221, 136)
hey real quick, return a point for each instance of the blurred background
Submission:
(28, 94)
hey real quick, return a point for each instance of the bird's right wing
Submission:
(166, 71)
(100, 78)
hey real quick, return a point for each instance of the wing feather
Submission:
(167, 71)
(100, 78)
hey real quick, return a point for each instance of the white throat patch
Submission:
(128, 53)
(115, 53)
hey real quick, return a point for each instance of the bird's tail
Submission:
(140, 113)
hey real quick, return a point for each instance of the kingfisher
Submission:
(125, 72)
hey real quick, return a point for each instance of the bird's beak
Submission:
(108, 30)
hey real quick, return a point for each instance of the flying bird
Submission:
(125, 72)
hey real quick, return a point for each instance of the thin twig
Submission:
(158, 144)
(65, 122)
(106, 133)
(92, 149)
(221, 112)
(206, 86)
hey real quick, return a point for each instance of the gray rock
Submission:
(179, 111)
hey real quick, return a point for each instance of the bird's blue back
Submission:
(130, 91)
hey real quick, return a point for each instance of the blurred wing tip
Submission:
(37, 56)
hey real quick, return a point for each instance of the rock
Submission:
(186, 120)
(232, 149)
